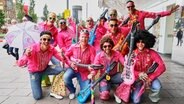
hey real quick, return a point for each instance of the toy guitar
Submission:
(91, 65)
(86, 93)
(128, 73)
(92, 34)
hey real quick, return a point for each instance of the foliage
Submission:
(31, 11)
(19, 10)
(45, 12)
(2, 18)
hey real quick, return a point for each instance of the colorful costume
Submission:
(75, 54)
(114, 75)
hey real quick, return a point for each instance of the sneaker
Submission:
(117, 99)
(56, 96)
(71, 96)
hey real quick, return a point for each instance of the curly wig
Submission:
(106, 39)
(147, 38)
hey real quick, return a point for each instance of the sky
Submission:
(59, 6)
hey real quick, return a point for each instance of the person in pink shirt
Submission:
(37, 58)
(112, 14)
(106, 57)
(89, 23)
(139, 15)
(65, 35)
(48, 25)
(83, 53)
(143, 58)
(100, 32)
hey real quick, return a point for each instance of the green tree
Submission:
(31, 11)
(45, 12)
(2, 18)
(19, 10)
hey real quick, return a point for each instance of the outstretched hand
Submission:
(174, 8)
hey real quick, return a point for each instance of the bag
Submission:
(58, 86)
(5, 46)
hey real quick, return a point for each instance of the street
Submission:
(15, 87)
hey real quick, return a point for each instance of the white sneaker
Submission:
(71, 96)
(117, 99)
(56, 96)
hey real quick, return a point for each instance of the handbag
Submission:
(58, 86)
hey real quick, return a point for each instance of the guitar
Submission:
(128, 73)
(86, 93)
(90, 65)
(92, 34)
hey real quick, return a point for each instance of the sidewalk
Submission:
(15, 87)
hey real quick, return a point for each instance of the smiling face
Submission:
(140, 45)
(131, 7)
(45, 40)
(107, 47)
(51, 18)
(84, 37)
(113, 14)
(62, 24)
(89, 22)
(113, 26)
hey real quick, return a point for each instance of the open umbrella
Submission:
(23, 35)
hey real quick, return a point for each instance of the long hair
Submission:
(147, 38)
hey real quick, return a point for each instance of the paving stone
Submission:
(21, 92)
(6, 91)
(3, 98)
(19, 100)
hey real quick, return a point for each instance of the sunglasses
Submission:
(63, 22)
(105, 46)
(130, 6)
(112, 14)
(84, 31)
(46, 39)
(113, 25)
(52, 18)
(89, 20)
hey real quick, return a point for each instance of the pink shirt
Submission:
(52, 29)
(103, 60)
(100, 32)
(39, 60)
(86, 57)
(115, 37)
(141, 15)
(64, 38)
(145, 59)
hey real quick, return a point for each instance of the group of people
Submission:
(107, 47)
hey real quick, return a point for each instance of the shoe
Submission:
(117, 99)
(71, 96)
(56, 96)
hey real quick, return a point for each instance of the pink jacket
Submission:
(52, 29)
(145, 59)
(86, 57)
(115, 37)
(39, 60)
(64, 38)
(100, 32)
(141, 15)
(103, 60)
